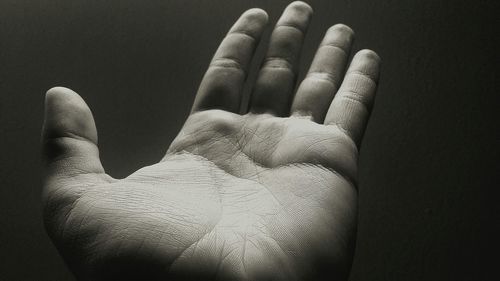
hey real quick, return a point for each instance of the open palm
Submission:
(265, 195)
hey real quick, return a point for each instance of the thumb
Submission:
(69, 137)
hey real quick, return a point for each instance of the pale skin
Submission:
(266, 192)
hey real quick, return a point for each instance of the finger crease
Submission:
(356, 97)
(302, 30)
(278, 62)
(227, 62)
(242, 33)
(324, 76)
(333, 46)
(360, 73)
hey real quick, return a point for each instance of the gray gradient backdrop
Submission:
(427, 161)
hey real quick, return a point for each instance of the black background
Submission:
(427, 161)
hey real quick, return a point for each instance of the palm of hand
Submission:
(237, 197)
(231, 189)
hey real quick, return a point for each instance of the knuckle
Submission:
(227, 62)
(215, 120)
(277, 62)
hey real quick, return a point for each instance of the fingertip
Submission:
(298, 15)
(257, 14)
(56, 96)
(301, 7)
(342, 28)
(58, 89)
(68, 139)
(67, 114)
(339, 35)
(369, 55)
(252, 22)
(53, 94)
(368, 62)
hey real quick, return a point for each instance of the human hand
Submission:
(267, 195)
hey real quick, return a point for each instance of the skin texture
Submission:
(265, 195)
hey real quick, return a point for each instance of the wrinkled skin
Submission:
(234, 196)
(256, 196)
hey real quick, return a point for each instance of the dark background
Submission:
(427, 161)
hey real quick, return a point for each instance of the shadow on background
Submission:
(427, 161)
